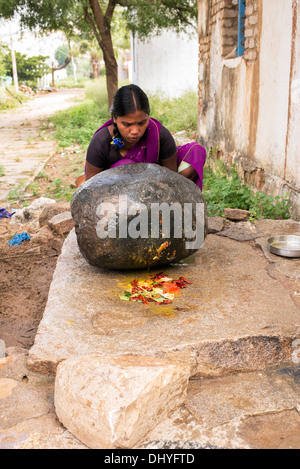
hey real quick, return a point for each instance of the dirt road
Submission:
(24, 147)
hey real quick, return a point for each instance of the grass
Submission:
(9, 98)
(17, 192)
(69, 82)
(78, 124)
(223, 188)
(176, 114)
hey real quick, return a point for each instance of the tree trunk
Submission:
(14, 65)
(96, 68)
(101, 28)
(67, 61)
(111, 70)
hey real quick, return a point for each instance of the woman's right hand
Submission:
(91, 171)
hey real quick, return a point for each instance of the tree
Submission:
(143, 17)
(29, 68)
(61, 54)
(60, 67)
(91, 49)
(3, 52)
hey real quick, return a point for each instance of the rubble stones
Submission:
(236, 214)
(62, 223)
(114, 401)
(51, 210)
(44, 219)
(33, 211)
(241, 231)
(14, 365)
(42, 236)
(215, 224)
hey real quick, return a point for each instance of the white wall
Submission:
(293, 147)
(275, 59)
(167, 63)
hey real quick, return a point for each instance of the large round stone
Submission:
(137, 216)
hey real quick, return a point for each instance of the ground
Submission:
(26, 271)
(25, 282)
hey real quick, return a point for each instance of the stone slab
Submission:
(258, 410)
(289, 267)
(113, 402)
(234, 316)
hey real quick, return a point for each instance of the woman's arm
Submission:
(91, 170)
(170, 163)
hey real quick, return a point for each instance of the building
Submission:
(166, 64)
(249, 90)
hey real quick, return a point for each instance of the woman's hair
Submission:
(128, 99)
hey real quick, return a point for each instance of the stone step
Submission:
(257, 410)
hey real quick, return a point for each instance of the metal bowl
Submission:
(285, 245)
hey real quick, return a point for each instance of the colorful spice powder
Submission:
(160, 289)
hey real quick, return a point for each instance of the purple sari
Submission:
(146, 150)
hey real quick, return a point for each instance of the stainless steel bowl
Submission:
(285, 245)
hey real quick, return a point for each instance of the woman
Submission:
(132, 136)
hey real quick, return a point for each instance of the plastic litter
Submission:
(5, 214)
(18, 239)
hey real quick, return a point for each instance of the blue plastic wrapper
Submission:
(5, 214)
(18, 239)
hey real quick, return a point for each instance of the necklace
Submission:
(117, 141)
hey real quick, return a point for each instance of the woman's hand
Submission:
(91, 171)
(170, 163)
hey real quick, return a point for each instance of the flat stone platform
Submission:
(239, 314)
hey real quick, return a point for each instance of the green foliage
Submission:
(2, 170)
(69, 82)
(61, 53)
(95, 90)
(146, 17)
(16, 193)
(29, 68)
(59, 190)
(175, 114)
(9, 98)
(46, 14)
(143, 17)
(3, 52)
(223, 188)
(78, 124)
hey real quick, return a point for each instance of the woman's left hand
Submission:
(170, 163)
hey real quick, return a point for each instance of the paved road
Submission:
(23, 147)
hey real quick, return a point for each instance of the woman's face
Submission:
(132, 126)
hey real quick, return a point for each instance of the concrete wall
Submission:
(167, 63)
(274, 69)
(292, 170)
(249, 106)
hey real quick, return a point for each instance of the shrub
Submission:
(223, 188)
